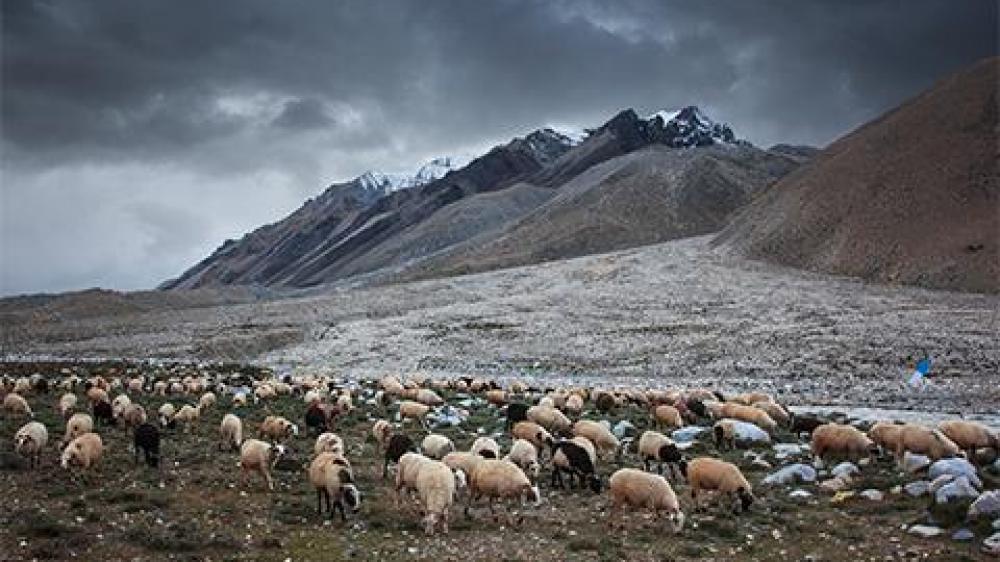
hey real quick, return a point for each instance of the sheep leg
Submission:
(339, 506)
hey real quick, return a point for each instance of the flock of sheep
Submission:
(545, 426)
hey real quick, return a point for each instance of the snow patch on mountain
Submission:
(688, 127)
(388, 182)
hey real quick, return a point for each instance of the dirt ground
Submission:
(194, 509)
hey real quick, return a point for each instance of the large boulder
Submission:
(747, 433)
(958, 488)
(914, 463)
(986, 505)
(791, 474)
(689, 433)
(955, 467)
(845, 468)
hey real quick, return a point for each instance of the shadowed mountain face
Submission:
(912, 197)
(631, 181)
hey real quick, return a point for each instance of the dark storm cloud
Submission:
(212, 117)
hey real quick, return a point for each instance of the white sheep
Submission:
(598, 434)
(77, 424)
(206, 401)
(15, 405)
(382, 431)
(655, 446)
(485, 447)
(550, 418)
(188, 416)
(524, 454)
(134, 415)
(435, 484)
(30, 440)
(635, 488)
(259, 456)
(334, 482)
(119, 404)
(166, 412)
(436, 446)
(328, 442)
(230, 432)
(66, 404)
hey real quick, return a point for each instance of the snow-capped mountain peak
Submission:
(688, 127)
(394, 181)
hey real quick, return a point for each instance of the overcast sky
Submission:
(138, 135)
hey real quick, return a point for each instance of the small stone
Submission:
(963, 535)
(848, 469)
(761, 464)
(872, 495)
(918, 488)
(834, 485)
(896, 490)
(925, 531)
(992, 544)
(914, 463)
(986, 505)
(958, 489)
(800, 494)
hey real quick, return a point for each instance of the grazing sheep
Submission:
(240, 399)
(533, 433)
(776, 411)
(188, 417)
(230, 432)
(134, 415)
(97, 394)
(577, 457)
(15, 405)
(496, 397)
(259, 456)
(436, 446)
(335, 483)
(804, 424)
(66, 404)
(30, 440)
(605, 401)
(406, 471)
(500, 479)
(166, 412)
(833, 439)
(328, 443)
(435, 485)
(574, 405)
(885, 435)
(119, 404)
(160, 388)
(970, 435)
(697, 407)
(516, 412)
(206, 401)
(77, 425)
(485, 447)
(550, 418)
(709, 474)
(103, 413)
(264, 392)
(399, 444)
(598, 434)
(278, 428)
(147, 439)
(667, 416)
(655, 446)
(634, 488)
(922, 440)
(316, 419)
(462, 460)
(750, 414)
(725, 434)
(750, 398)
(382, 431)
(524, 454)
(135, 385)
(83, 451)
(410, 410)
(428, 397)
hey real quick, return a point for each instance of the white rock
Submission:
(873, 495)
(959, 488)
(687, 434)
(799, 494)
(792, 473)
(992, 544)
(955, 467)
(925, 531)
(845, 469)
(784, 450)
(745, 432)
(917, 488)
(914, 463)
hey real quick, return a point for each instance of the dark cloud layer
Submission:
(176, 124)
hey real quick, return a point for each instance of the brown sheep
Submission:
(550, 418)
(77, 425)
(500, 479)
(410, 410)
(922, 440)
(749, 414)
(278, 428)
(668, 416)
(83, 451)
(970, 435)
(833, 439)
(259, 456)
(709, 474)
(635, 488)
(599, 435)
(533, 433)
(15, 405)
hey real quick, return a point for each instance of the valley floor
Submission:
(677, 313)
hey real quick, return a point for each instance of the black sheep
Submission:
(315, 419)
(516, 412)
(605, 402)
(41, 385)
(398, 446)
(805, 424)
(349, 496)
(103, 412)
(697, 407)
(580, 465)
(147, 439)
(672, 456)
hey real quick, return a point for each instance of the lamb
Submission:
(925, 441)
(259, 456)
(188, 416)
(516, 412)
(486, 447)
(435, 485)
(147, 439)
(66, 404)
(635, 488)
(524, 454)
(598, 434)
(230, 432)
(335, 483)
(970, 435)
(134, 415)
(398, 445)
(709, 474)
(278, 428)
(533, 433)
(83, 451)
(328, 443)
(77, 425)
(550, 418)
(667, 416)
(30, 440)
(750, 414)
(166, 412)
(725, 434)
(655, 446)
(436, 446)
(841, 440)
(14, 404)
(577, 457)
(409, 409)
(500, 479)
(382, 431)
(206, 401)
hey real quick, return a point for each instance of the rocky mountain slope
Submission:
(912, 197)
(688, 174)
